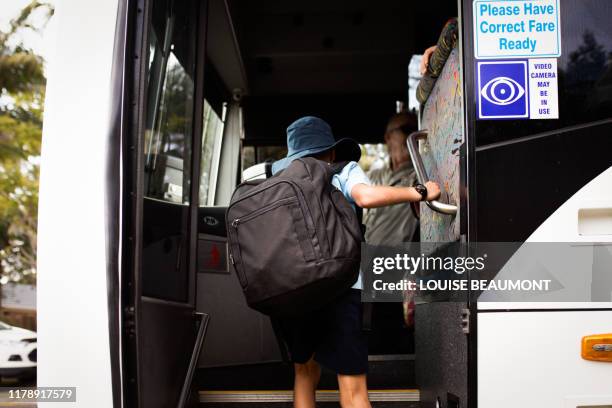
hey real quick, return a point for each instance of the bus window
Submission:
(273, 153)
(252, 155)
(584, 71)
(169, 108)
(248, 157)
(167, 141)
(212, 135)
(168, 149)
(373, 156)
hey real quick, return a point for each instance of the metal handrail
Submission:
(421, 173)
(203, 319)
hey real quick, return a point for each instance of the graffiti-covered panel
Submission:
(442, 117)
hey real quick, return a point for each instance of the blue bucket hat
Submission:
(311, 135)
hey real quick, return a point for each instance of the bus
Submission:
(155, 108)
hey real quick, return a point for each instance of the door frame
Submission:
(468, 181)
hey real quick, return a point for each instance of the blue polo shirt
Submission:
(349, 177)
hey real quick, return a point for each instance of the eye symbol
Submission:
(502, 91)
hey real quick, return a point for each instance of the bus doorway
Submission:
(269, 63)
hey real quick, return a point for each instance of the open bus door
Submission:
(187, 138)
(519, 180)
(437, 151)
(163, 334)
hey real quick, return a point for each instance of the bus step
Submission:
(407, 398)
(384, 372)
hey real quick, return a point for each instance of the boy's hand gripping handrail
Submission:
(421, 173)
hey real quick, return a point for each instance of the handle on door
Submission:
(421, 173)
(195, 355)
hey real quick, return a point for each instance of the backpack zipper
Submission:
(263, 210)
(298, 192)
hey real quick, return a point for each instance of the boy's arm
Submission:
(366, 196)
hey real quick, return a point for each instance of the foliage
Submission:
(22, 85)
(588, 61)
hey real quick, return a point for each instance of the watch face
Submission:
(422, 190)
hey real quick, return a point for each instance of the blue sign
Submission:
(502, 90)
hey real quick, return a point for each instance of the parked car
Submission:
(17, 352)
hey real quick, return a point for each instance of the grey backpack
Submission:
(294, 239)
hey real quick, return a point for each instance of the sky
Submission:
(9, 9)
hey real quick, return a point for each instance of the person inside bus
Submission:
(395, 224)
(333, 336)
(424, 64)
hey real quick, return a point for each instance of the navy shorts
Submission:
(333, 334)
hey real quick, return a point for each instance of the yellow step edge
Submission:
(226, 396)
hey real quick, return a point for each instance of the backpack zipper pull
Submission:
(235, 222)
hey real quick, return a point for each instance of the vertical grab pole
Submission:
(195, 355)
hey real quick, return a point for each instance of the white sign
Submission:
(543, 89)
(516, 29)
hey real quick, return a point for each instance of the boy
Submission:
(332, 336)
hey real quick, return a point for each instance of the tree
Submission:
(22, 87)
(587, 62)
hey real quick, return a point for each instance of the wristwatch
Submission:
(422, 190)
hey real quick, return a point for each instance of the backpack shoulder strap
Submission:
(336, 168)
(366, 319)
(359, 212)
